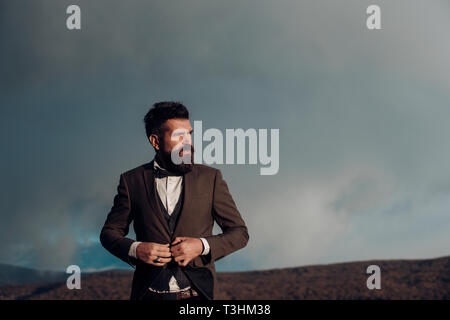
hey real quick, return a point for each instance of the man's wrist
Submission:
(133, 247)
(206, 247)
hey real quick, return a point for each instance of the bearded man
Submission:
(173, 204)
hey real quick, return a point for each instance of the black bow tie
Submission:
(162, 173)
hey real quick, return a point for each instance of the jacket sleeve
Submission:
(116, 227)
(234, 234)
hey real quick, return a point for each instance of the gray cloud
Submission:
(362, 117)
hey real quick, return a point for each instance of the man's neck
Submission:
(161, 163)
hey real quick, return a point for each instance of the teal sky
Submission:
(363, 119)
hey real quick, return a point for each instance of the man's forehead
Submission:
(178, 125)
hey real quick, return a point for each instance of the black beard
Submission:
(164, 159)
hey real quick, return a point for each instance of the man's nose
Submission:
(187, 139)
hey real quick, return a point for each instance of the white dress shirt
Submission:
(169, 190)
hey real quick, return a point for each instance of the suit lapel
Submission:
(152, 194)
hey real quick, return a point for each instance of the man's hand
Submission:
(149, 251)
(184, 249)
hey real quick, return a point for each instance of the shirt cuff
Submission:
(132, 251)
(205, 247)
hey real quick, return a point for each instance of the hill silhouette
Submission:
(13, 275)
(400, 279)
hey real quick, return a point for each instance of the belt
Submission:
(173, 295)
(186, 294)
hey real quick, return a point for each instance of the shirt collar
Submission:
(156, 165)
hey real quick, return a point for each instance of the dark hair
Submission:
(160, 113)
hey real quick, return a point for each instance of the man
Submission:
(173, 204)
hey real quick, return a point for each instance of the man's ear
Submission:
(154, 140)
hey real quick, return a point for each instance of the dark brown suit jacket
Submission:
(206, 199)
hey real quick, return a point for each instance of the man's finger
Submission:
(165, 254)
(184, 262)
(177, 252)
(174, 245)
(162, 261)
(178, 240)
(180, 257)
(162, 247)
(175, 248)
(159, 245)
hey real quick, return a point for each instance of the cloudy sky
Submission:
(363, 119)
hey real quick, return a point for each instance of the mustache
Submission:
(189, 147)
(183, 154)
